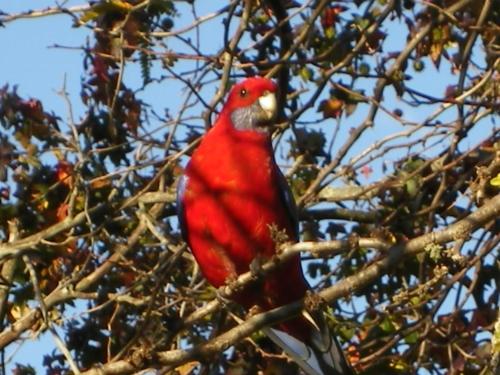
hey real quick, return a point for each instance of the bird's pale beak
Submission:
(268, 104)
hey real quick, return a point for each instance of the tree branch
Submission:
(23, 245)
(458, 230)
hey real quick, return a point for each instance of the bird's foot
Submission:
(254, 310)
(256, 267)
(313, 306)
(229, 288)
(222, 295)
(279, 236)
(313, 302)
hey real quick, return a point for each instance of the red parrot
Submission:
(231, 194)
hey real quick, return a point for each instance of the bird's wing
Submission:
(289, 202)
(322, 355)
(181, 215)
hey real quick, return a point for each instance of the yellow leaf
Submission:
(436, 50)
(399, 365)
(495, 339)
(330, 33)
(495, 181)
(187, 368)
(392, 239)
(18, 311)
(331, 108)
(106, 6)
(123, 5)
(89, 15)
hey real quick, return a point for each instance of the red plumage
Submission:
(232, 196)
(232, 193)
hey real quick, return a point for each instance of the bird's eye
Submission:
(243, 93)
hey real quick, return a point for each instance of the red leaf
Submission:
(366, 171)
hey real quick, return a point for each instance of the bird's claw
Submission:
(254, 310)
(230, 287)
(255, 267)
(313, 302)
(222, 295)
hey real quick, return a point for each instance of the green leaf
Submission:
(387, 325)
(346, 331)
(412, 187)
(306, 74)
(412, 338)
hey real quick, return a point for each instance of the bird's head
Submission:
(251, 104)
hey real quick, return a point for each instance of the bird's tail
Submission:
(321, 355)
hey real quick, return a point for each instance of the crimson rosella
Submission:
(231, 195)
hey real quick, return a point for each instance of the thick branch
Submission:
(342, 214)
(457, 231)
(20, 247)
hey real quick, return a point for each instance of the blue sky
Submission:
(30, 61)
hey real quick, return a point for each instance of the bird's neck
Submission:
(225, 124)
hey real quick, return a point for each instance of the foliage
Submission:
(397, 184)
